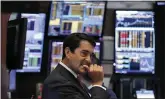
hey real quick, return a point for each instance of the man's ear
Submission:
(67, 52)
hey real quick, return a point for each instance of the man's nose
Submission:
(88, 58)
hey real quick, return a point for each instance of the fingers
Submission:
(86, 67)
(96, 74)
(95, 68)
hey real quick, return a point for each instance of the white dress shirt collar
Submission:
(66, 67)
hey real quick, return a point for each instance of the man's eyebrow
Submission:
(85, 51)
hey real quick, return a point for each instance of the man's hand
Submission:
(95, 72)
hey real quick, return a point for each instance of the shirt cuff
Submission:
(91, 86)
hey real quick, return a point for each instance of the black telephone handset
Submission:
(94, 60)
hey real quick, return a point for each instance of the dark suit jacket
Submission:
(112, 95)
(61, 84)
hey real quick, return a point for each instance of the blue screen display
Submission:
(34, 42)
(12, 80)
(71, 17)
(134, 42)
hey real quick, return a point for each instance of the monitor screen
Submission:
(12, 80)
(134, 42)
(145, 94)
(57, 50)
(70, 17)
(159, 3)
(34, 42)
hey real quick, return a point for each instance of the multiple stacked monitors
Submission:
(34, 42)
(134, 42)
(57, 50)
(65, 18)
(71, 17)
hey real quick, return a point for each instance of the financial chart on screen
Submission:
(134, 42)
(34, 42)
(70, 17)
(57, 50)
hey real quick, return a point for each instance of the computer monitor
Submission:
(145, 94)
(134, 42)
(34, 42)
(12, 80)
(76, 16)
(57, 50)
(15, 44)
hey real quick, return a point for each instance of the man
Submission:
(63, 82)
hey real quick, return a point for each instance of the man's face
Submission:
(81, 54)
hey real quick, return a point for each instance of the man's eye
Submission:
(84, 54)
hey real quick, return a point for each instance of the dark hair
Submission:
(73, 41)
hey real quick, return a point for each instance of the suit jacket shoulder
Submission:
(62, 78)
